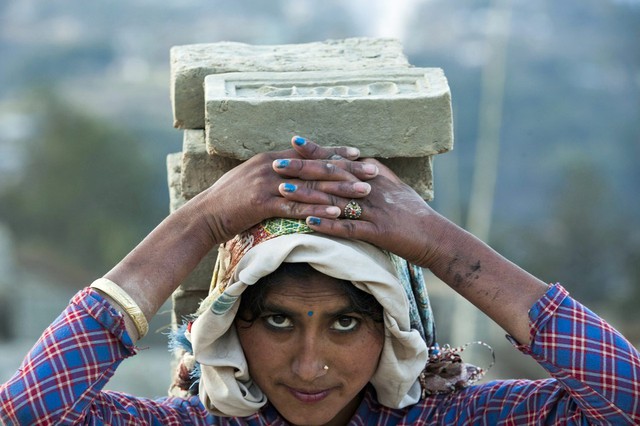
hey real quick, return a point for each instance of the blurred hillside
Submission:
(85, 125)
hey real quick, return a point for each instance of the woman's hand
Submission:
(394, 217)
(250, 193)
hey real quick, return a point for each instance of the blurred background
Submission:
(546, 99)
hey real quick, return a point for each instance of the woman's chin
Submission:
(319, 413)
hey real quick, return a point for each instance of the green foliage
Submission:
(86, 193)
(586, 243)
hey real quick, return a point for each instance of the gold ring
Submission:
(352, 210)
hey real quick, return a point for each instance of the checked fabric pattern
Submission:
(595, 379)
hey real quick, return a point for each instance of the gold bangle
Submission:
(132, 309)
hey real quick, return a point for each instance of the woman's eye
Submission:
(345, 323)
(278, 321)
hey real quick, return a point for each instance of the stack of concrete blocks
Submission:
(234, 100)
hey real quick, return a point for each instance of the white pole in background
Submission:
(466, 316)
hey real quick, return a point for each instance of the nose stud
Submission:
(325, 368)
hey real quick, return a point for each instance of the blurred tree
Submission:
(581, 243)
(86, 194)
(58, 63)
(629, 305)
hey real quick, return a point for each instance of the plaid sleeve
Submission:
(594, 363)
(60, 380)
(596, 378)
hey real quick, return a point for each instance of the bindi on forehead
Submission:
(310, 313)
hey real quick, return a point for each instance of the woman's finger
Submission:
(325, 170)
(312, 151)
(343, 228)
(296, 210)
(323, 192)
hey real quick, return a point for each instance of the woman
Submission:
(289, 360)
(316, 319)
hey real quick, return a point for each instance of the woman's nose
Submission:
(309, 363)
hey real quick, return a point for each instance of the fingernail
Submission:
(362, 187)
(281, 164)
(289, 187)
(299, 140)
(311, 220)
(333, 211)
(370, 169)
(353, 152)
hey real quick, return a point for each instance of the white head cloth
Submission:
(225, 385)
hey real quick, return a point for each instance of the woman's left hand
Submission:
(394, 217)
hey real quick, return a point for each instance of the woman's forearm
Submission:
(157, 266)
(498, 287)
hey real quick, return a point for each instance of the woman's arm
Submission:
(60, 380)
(498, 287)
(595, 374)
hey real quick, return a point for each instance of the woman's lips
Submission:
(309, 396)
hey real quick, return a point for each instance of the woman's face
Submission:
(309, 324)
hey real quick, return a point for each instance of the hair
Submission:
(252, 300)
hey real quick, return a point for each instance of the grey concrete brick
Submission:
(200, 278)
(199, 169)
(191, 63)
(193, 289)
(386, 113)
(185, 304)
(415, 172)
(174, 172)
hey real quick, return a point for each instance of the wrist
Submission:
(443, 236)
(133, 315)
(214, 227)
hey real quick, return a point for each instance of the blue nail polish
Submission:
(299, 140)
(314, 220)
(289, 187)
(281, 164)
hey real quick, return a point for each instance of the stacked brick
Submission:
(234, 100)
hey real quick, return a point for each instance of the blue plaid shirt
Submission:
(595, 378)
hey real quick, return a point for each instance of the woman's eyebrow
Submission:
(343, 311)
(275, 308)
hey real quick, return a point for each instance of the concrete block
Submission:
(199, 169)
(191, 63)
(415, 172)
(185, 304)
(386, 113)
(200, 278)
(174, 172)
